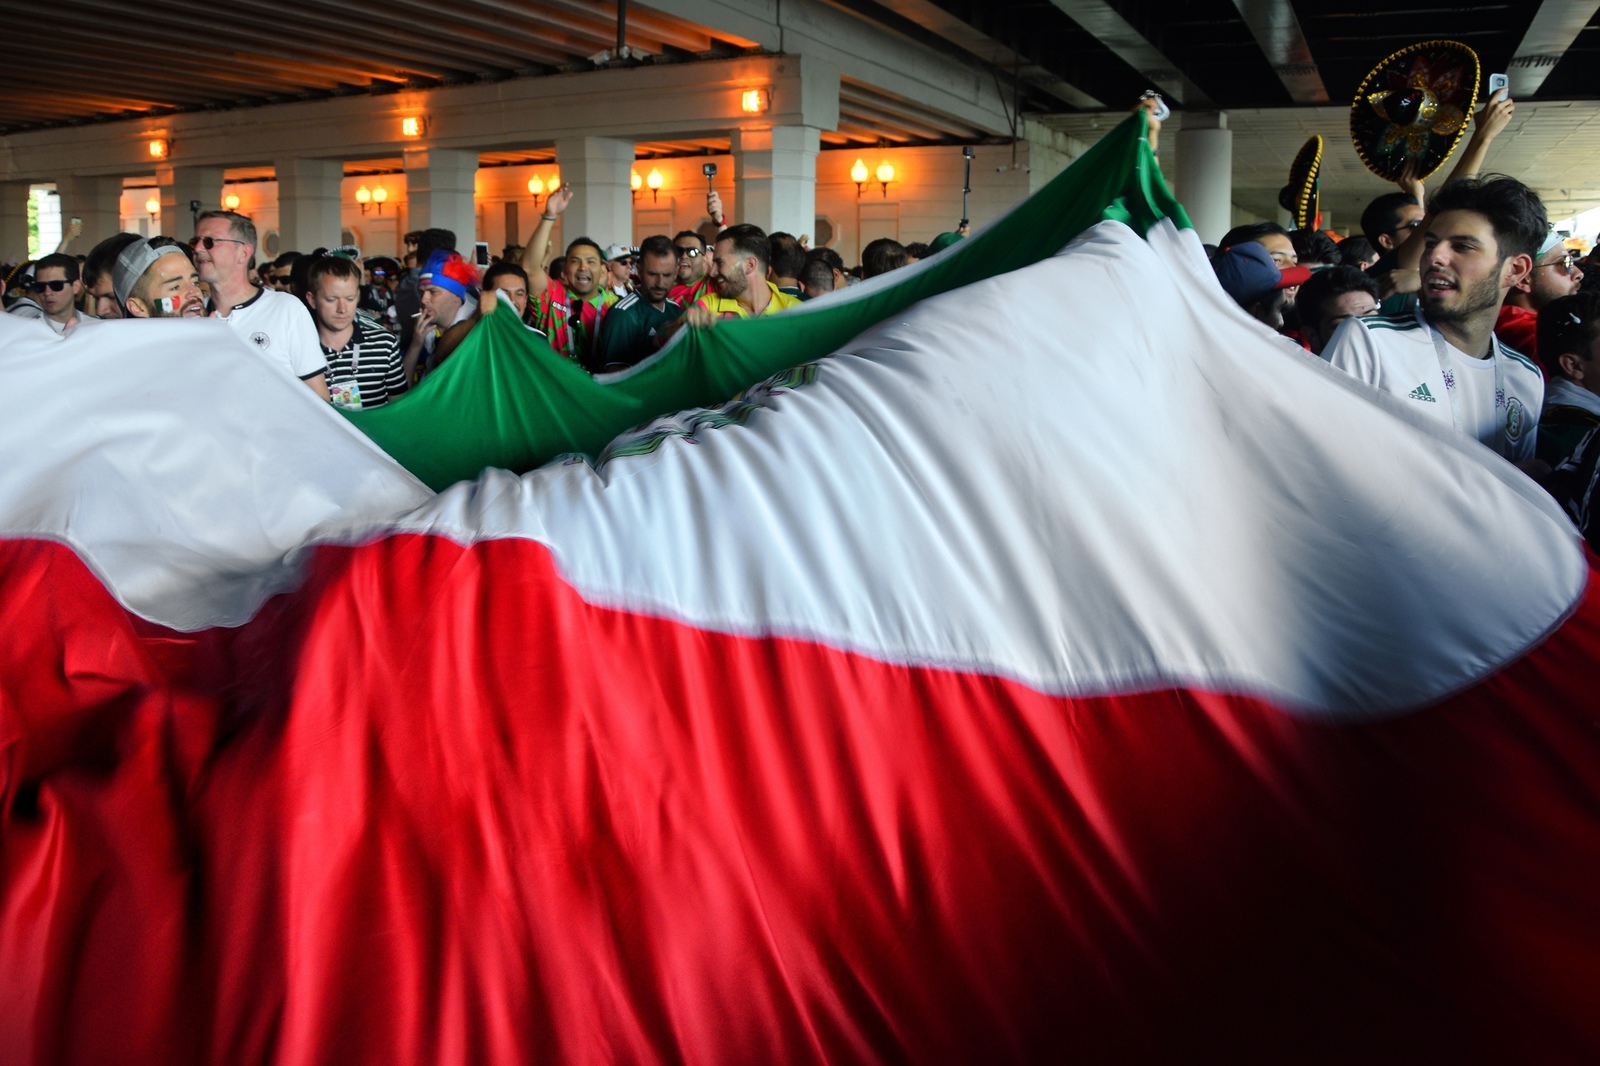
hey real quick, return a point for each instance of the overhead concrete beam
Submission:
(641, 103)
(1554, 28)
(1119, 35)
(861, 49)
(1277, 31)
(935, 19)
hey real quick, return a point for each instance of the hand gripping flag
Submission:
(1104, 681)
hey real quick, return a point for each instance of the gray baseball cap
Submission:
(135, 259)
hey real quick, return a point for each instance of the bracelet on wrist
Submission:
(548, 218)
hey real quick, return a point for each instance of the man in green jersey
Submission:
(635, 327)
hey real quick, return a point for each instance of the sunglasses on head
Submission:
(53, 286)
(209, 243)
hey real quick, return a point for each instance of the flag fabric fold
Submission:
(513, 402)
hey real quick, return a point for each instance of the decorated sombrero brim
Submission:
(1302, 196)
(1415, 105)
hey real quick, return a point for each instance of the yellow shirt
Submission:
(729, 307)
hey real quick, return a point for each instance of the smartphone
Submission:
(76, 221)
(1498, 82)
(481, 253)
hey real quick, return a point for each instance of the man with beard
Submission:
(739, 263)
(1555, 274)
(635, 328)
(1444, 359)
(157, 281)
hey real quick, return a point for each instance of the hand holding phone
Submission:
(1498, 83)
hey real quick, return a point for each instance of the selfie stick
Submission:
(966, 182)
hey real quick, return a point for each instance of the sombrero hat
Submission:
(1414, 106)
(1303, 195)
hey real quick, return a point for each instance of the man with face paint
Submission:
(157, 281)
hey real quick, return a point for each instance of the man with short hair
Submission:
(1444, 359)
(835, 265)
(570, 309)
(56, 286)
(1357, 252)
(1314, 249)
(788, 262)
(636, 327)
(1248, 272)
(881, 256)
(817, 278)
(1555, 274)
(97, 268)
(1569, 335)
(512, 280)
(278, 275)
(1271, 236)
(1389, 220)
(364, 366)
(739, 263)
(1328, 298)
(157, 281)
(274, 323)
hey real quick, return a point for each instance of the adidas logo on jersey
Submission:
(1421, 393)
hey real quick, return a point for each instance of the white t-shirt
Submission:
(1398, 354)
(280, 326)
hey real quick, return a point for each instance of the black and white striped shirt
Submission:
(367, 371)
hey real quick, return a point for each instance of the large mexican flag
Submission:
(1058, 667)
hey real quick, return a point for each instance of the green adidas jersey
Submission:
(629, 333)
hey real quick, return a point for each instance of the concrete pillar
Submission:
(181, 189)
(308, 203)
(440, 192)
(14, 221)
(98, 201)
(597, 169)
(1205, 173)
(775, 178)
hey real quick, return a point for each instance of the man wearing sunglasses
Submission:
(1555, 274)
(274, 323)
(55, 288)
(694, 268)
(621, 262)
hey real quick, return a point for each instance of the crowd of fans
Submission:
(361, 331)
(1461, 302)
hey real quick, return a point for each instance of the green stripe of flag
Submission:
(506, 399)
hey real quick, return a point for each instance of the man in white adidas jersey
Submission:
(1444, 359)
(275, 323)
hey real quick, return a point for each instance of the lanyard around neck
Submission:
(1502, 445)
